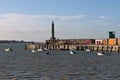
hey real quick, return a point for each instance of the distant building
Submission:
(99, 42)
(112, 34)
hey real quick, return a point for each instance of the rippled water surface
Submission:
(22, 64)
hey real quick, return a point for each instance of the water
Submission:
(24, 65)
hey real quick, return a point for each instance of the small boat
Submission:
(40, 49)
(72, 52)
(34, 51)
(8, 49)
(47, 53)
(88, 50)
(100, 53)
(45, 49)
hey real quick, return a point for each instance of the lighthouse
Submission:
(52, 32)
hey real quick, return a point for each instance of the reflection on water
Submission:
(60, 65)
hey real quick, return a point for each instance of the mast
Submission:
(52, 32)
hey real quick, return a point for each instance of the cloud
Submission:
(102, 19)
(37, 27)
(23, 22)
(105, 17)
(71, 17)
(59, 17)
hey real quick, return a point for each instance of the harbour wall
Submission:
(108, 45)
(106, 48)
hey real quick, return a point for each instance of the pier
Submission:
(110, 44)
(106, 48)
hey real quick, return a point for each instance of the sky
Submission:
(30, 20)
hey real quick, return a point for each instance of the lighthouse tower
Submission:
(52, 32)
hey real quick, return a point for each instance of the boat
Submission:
(100, 53)
(47, 53)
(34, 51)
(8, 49)
(40, 49)
(87, 50)
(72, 52)
(45, 49)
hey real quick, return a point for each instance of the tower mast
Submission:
(52, 32)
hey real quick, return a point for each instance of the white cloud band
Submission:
(34, 25)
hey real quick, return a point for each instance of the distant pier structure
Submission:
(110, 44)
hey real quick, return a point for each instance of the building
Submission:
(110, 44)
(66, 44)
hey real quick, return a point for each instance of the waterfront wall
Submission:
(34, 46)
(108, 45)
(106, 48)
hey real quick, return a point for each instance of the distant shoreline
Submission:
(13, 41)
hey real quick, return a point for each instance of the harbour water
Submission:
(21, 64)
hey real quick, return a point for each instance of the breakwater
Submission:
(106, 48)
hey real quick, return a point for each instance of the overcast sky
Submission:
(30, 20)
